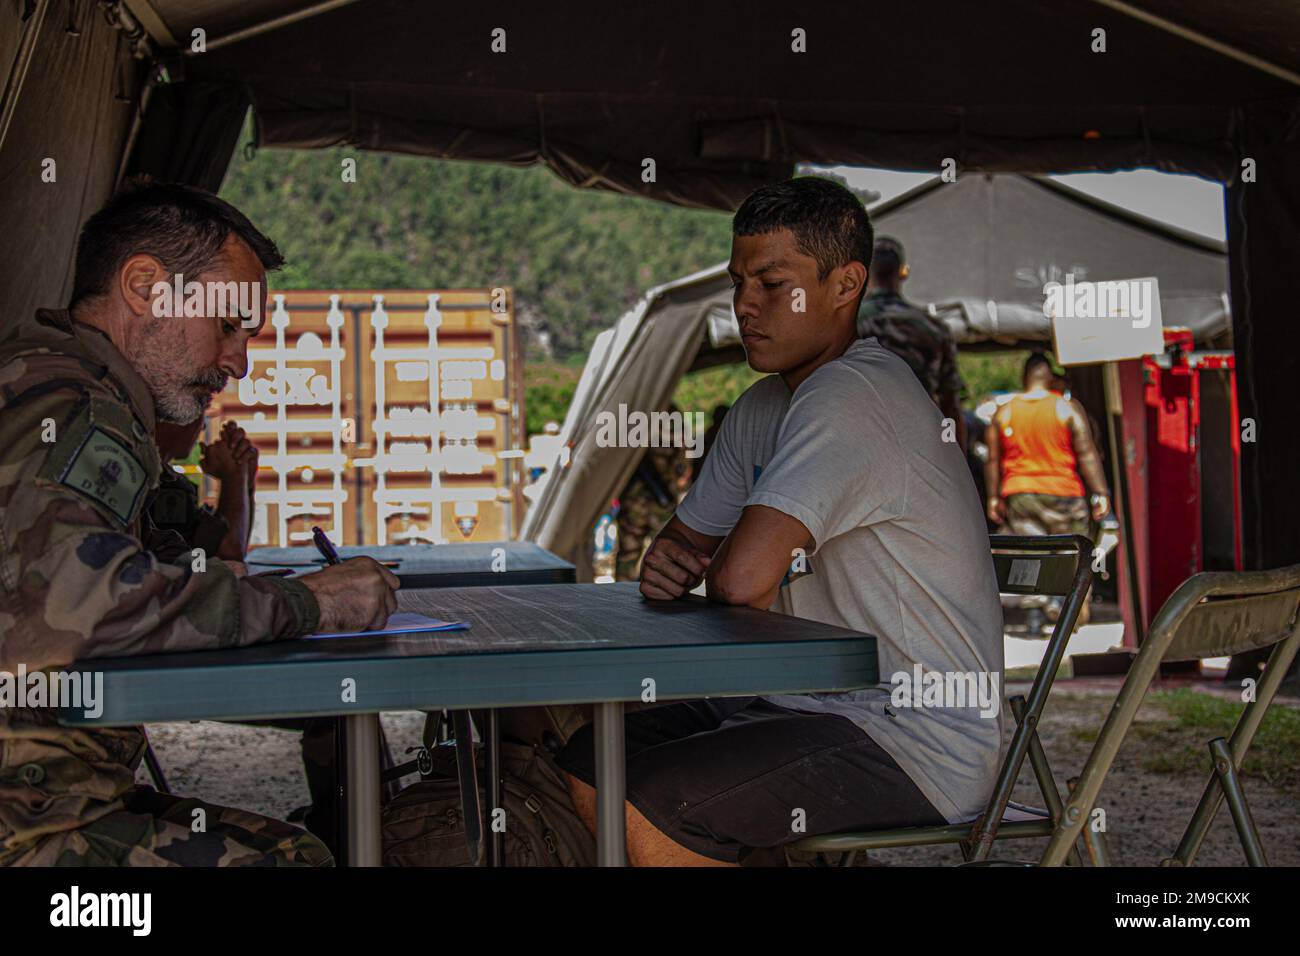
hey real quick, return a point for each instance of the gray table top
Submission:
(471, 564)
(526, 645)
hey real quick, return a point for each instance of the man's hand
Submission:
(356, 595)
(672, 568)
(230, 457)
(997, 511)
(1100, 507)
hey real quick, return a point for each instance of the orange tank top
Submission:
(1038, 449)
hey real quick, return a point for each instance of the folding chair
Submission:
(1055, 566)
(1214, 614)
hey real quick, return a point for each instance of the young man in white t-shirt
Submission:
(836, 492)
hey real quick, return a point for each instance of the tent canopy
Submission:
(715, 94)
(720, 98)
(1001, 238)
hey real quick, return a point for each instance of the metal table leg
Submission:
(492, 743)
(362, 769)
(611, 785)
(467, 780)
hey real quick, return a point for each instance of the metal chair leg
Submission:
(1279, 662)
(1043, 772)
(1236, 799)
(1094, 841)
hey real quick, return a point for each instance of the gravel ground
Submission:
(259, 769)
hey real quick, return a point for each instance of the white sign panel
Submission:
(1104, 321)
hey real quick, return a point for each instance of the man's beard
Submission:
(182, 403)
(180, 392)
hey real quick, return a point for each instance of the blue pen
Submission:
(324, 545)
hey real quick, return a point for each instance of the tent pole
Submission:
(1241, 56)
(275, 24)
(18, 72)
(150, 81)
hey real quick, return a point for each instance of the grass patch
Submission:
(1179, 744)
(1030, 671)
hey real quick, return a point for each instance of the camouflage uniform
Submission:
(922, 341)
(1034, 514)
(646, 504)
(174, 506)
(84, 575)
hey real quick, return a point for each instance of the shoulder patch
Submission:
(104, 469)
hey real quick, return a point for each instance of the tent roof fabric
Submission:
(594, 95)
(217, 18)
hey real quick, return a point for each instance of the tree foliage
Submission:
(576, 258)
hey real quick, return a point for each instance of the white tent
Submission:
(637, 363)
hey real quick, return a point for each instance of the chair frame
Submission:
(976, 839)
(1174, 636)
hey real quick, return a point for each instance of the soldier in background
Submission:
(918, 338)
(84, 574)
(175, 505)
(648, 501)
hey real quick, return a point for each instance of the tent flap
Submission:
(189, 133)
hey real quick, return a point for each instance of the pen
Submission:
(324, 546)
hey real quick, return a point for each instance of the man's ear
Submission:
(903, 272)
(852, 278)
(136, 281)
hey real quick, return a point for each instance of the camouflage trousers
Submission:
(1031, 514)
(157, 829)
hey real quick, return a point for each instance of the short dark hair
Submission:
(829, 223)
(1036, 361)
(887, 258)
(185, 227)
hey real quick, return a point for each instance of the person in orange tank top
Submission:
(1043, 460)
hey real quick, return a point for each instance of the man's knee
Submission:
(647, 845)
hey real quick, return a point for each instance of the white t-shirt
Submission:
(900, 552)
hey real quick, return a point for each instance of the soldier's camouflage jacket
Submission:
(84, 575)
(924, 342)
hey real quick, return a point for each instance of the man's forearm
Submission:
(721, 586)
(233, 505)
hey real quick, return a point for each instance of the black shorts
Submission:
(724, 777)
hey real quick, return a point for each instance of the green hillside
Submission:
(577, 259)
